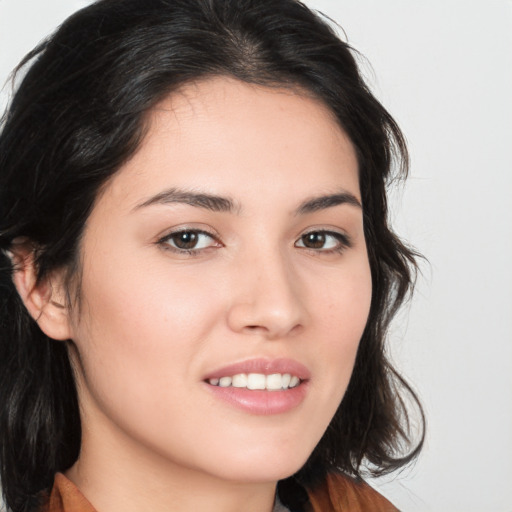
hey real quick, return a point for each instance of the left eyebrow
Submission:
(323, 202)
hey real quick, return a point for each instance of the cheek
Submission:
(139, 342)
(343, 303)
(140, 330)
(340, 311)
(134, 292)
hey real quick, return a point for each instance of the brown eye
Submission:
(315, 240)
(185, 239)
(189, 240)
(324, 241)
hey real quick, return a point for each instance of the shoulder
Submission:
(341, 493)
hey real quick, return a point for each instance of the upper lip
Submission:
(264, 366)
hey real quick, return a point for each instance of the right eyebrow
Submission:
(199, 199)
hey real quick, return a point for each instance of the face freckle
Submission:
(181, 286)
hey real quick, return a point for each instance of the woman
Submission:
(197, 270)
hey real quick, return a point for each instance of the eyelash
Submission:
(342, 241)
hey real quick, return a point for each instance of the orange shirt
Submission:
(338, 494)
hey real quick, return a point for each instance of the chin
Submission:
(261, 465)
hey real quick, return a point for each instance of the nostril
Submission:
(254, 327)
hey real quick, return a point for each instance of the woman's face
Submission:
(228, 252)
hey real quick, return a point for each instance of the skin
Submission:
(154, 321)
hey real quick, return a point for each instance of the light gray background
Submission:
(444, 70)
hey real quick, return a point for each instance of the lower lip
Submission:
(259, 401)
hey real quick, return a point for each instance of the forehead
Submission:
(232, 137)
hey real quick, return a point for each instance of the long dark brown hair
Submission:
(79, 114)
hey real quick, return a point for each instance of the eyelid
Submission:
(343, 239)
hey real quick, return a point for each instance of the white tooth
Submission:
(286, 380)
(256, 381)
(274, 381)
(294, 381)
(225, 382)
(239, 380)
(214, 382)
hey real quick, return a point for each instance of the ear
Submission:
(45, 300)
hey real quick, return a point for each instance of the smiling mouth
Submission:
(257, 381)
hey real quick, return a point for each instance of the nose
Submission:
(267, 298)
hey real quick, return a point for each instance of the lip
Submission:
(261, 402)
(264, 366)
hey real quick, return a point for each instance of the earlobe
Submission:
(45, 300)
